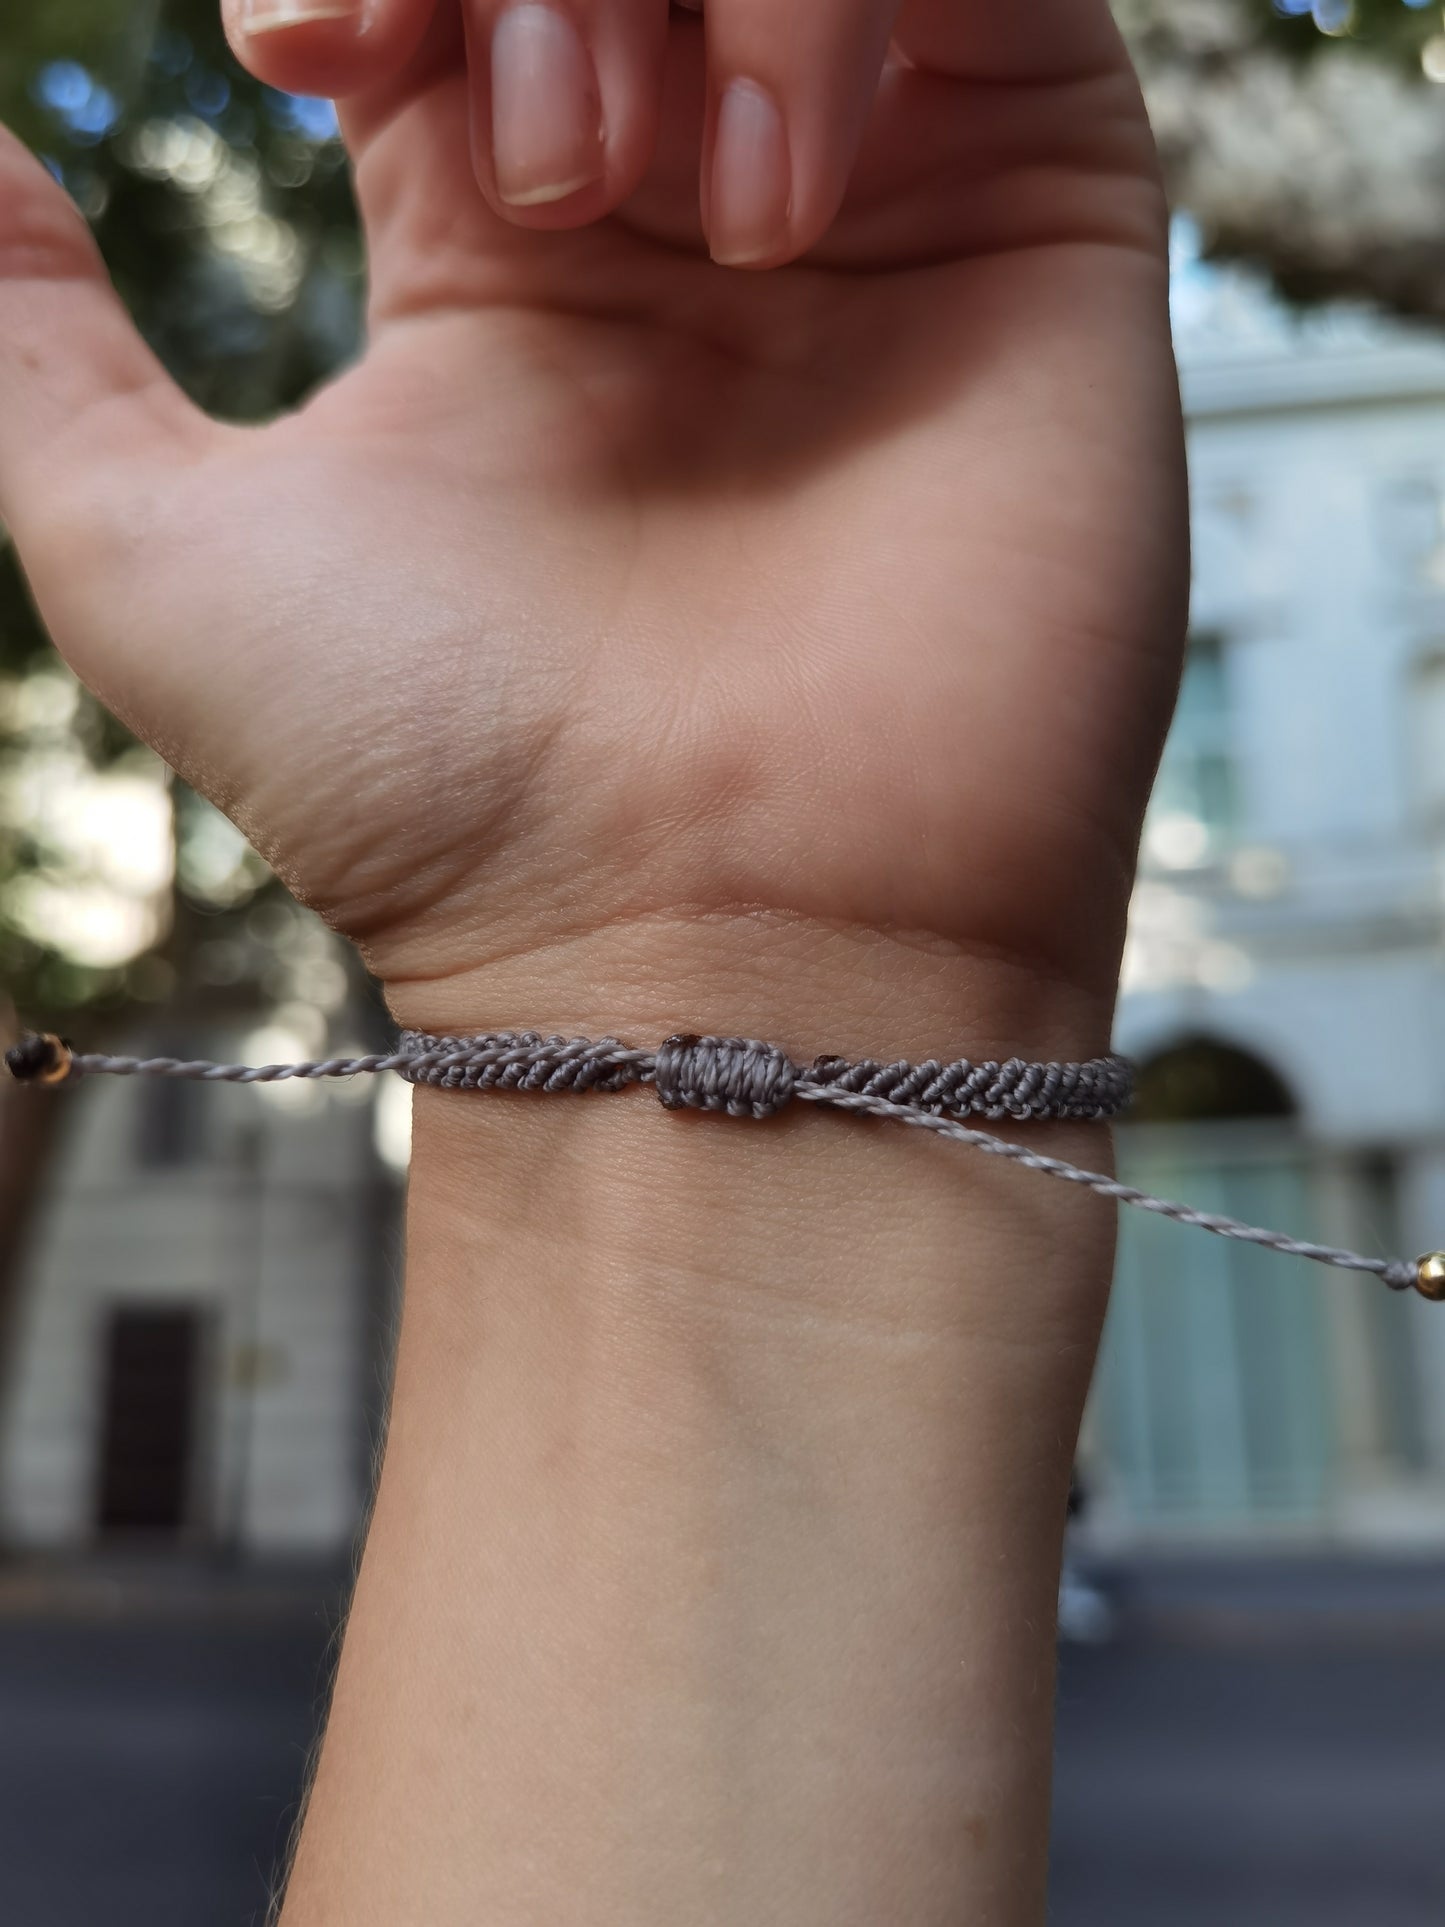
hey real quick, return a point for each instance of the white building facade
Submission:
(1288, 947)
(201, 1330)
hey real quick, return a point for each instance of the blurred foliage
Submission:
(225, 215)
(1306, 137)
(1399, 28)
(223, 209)
(1395, 33)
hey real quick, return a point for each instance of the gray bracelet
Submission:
(745, 1078)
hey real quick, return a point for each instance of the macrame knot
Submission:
(732, 1074)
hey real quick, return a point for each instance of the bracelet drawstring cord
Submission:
(745, 1078)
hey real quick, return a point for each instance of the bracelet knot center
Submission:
(733, 1074)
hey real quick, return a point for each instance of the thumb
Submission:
(78, 386)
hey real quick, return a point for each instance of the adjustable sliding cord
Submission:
(745, 1078)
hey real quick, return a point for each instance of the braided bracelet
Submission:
(744, 1078)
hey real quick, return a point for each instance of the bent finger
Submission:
(789, 95)
(1024, 40)
(334, 48)
(565, 100)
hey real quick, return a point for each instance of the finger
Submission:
(335, 48)
(1037, 40)
(789, 94)
(440, 55)
(77, 383)
(565, 98)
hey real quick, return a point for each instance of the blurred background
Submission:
(198, 1291)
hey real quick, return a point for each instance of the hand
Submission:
(619, 613)
(629, 643)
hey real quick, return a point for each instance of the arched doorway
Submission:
(1214, 1405)
(1201, 1081)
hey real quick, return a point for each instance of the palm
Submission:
(612, 586)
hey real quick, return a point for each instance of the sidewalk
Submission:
(1219, 1595)
(197, 1589)
(1232, 1595)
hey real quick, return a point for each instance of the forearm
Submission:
(712, 1573)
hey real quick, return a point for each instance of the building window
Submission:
(1194, 813)
(1427, 734)
(1411, 530)
(1214, 1402)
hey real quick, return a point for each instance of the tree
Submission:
(225, 214)
(1306, 138)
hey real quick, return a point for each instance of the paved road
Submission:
(149, 1770)
(1264, 1783)
(1214, 1770)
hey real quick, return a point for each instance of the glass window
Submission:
(1427, 733)
(1195, 808)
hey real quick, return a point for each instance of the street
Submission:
(1250, 1786)
(1260, 1768)
(150, 1768)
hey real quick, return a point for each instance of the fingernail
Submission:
(274, 16)
(546, 114)
(752, 177)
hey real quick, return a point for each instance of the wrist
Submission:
(784, 1413)
(628, 1189)
(775, 1418)
(728, 1464)
(812, 986)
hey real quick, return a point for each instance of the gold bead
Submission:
(58, 1069)
(1430, 1276)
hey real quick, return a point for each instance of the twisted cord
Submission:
(1395, 1272)
(202, 1072)
(745, 1078)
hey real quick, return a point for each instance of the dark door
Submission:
(150, 1421)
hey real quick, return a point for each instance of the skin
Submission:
(627, 645)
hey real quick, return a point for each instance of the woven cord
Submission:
(745, 1078)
